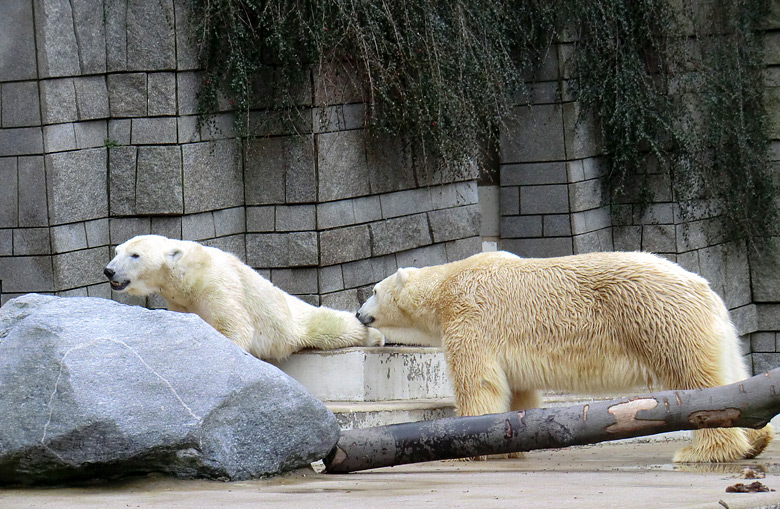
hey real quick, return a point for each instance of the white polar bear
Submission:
(232, 298)
(590, 323)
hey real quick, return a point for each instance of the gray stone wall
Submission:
(554, 201)
(99, 142)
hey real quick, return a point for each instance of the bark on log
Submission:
(748, 404)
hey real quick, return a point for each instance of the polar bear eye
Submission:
(135, 255)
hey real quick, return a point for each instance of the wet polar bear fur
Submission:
(232, 298)
(590, 323)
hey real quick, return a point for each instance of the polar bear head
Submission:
(401, 308)
(143, 263)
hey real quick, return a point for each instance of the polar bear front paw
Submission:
(374, 337)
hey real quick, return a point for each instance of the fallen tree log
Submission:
(750, 403)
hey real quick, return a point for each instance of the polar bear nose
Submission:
(365, 320)
(109, 272)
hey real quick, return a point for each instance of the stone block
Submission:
(765, 270)
(688, 261)
(533, 134)
(162, 93)
(154, 131)
(281, 250)
(454, 195)
(337, 84)
(463, 248)
(158, 187)
(213, 178)
(80, 268)
(423, 256)
(25, 274)
(368, 271)
(59, 137)
(187, 88)
(58, 101)
(518, 227)
(345, 244)
(151, 41)
(698, 234)
(762, 342)
(489, 209)
(127, 94)
(77, 185)
(122, 229)
(300, 174)
(296, 281)
(91, 134)
(588, 194)
(116, 36)
(55, 39)
(101, 291)
(97, 233)
(264, 171)
(89, 26)
(291, 218)
(119, 131)
(627, 238)
(91, 97)
(17, 31)
(167, 227)
(659, 238)
(367, 209)
(592, 242)
(9, 192)
(346, 300)
(334, 214)
(235, 244)
(187, 129)
(331, 279)
(343, 171)
(341, 117)
(31, 241)
(556, 225)
(6, 245)
(538, 248)
(509, 201)
(763, 362)
(198, 226)
(404, 203)
(229, 221)
(76, 292)
(390, 166)
(32, 192)
(582, 132)
(69, 237)
(575, 171)
(531, 174)
(20, 104)
(122, 178)
(186, 49)
(654, 213)
(21, 141)
(261, 219)
(454, 223)
(737, 276)
(399, 234)
(548, 199)
(590, 220)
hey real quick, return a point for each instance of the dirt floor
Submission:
(612, 475)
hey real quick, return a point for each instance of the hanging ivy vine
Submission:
(445, 74)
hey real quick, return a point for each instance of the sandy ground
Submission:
(610, 475)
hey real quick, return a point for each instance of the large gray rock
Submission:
(93, 388)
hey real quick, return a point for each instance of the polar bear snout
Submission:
(364, 319)
(115, 285)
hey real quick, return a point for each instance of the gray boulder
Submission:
(92, 388)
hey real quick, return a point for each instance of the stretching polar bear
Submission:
(232, 298)
(589, 323)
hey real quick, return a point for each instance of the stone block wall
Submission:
(99, 142)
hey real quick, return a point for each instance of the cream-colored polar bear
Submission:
(231, 297)
(590, 323)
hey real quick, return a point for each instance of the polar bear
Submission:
(232, 298)
(590, 323)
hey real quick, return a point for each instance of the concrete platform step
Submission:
(364, 414)
(371, 374)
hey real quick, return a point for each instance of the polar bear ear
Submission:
(403, 274)
(175, 254)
